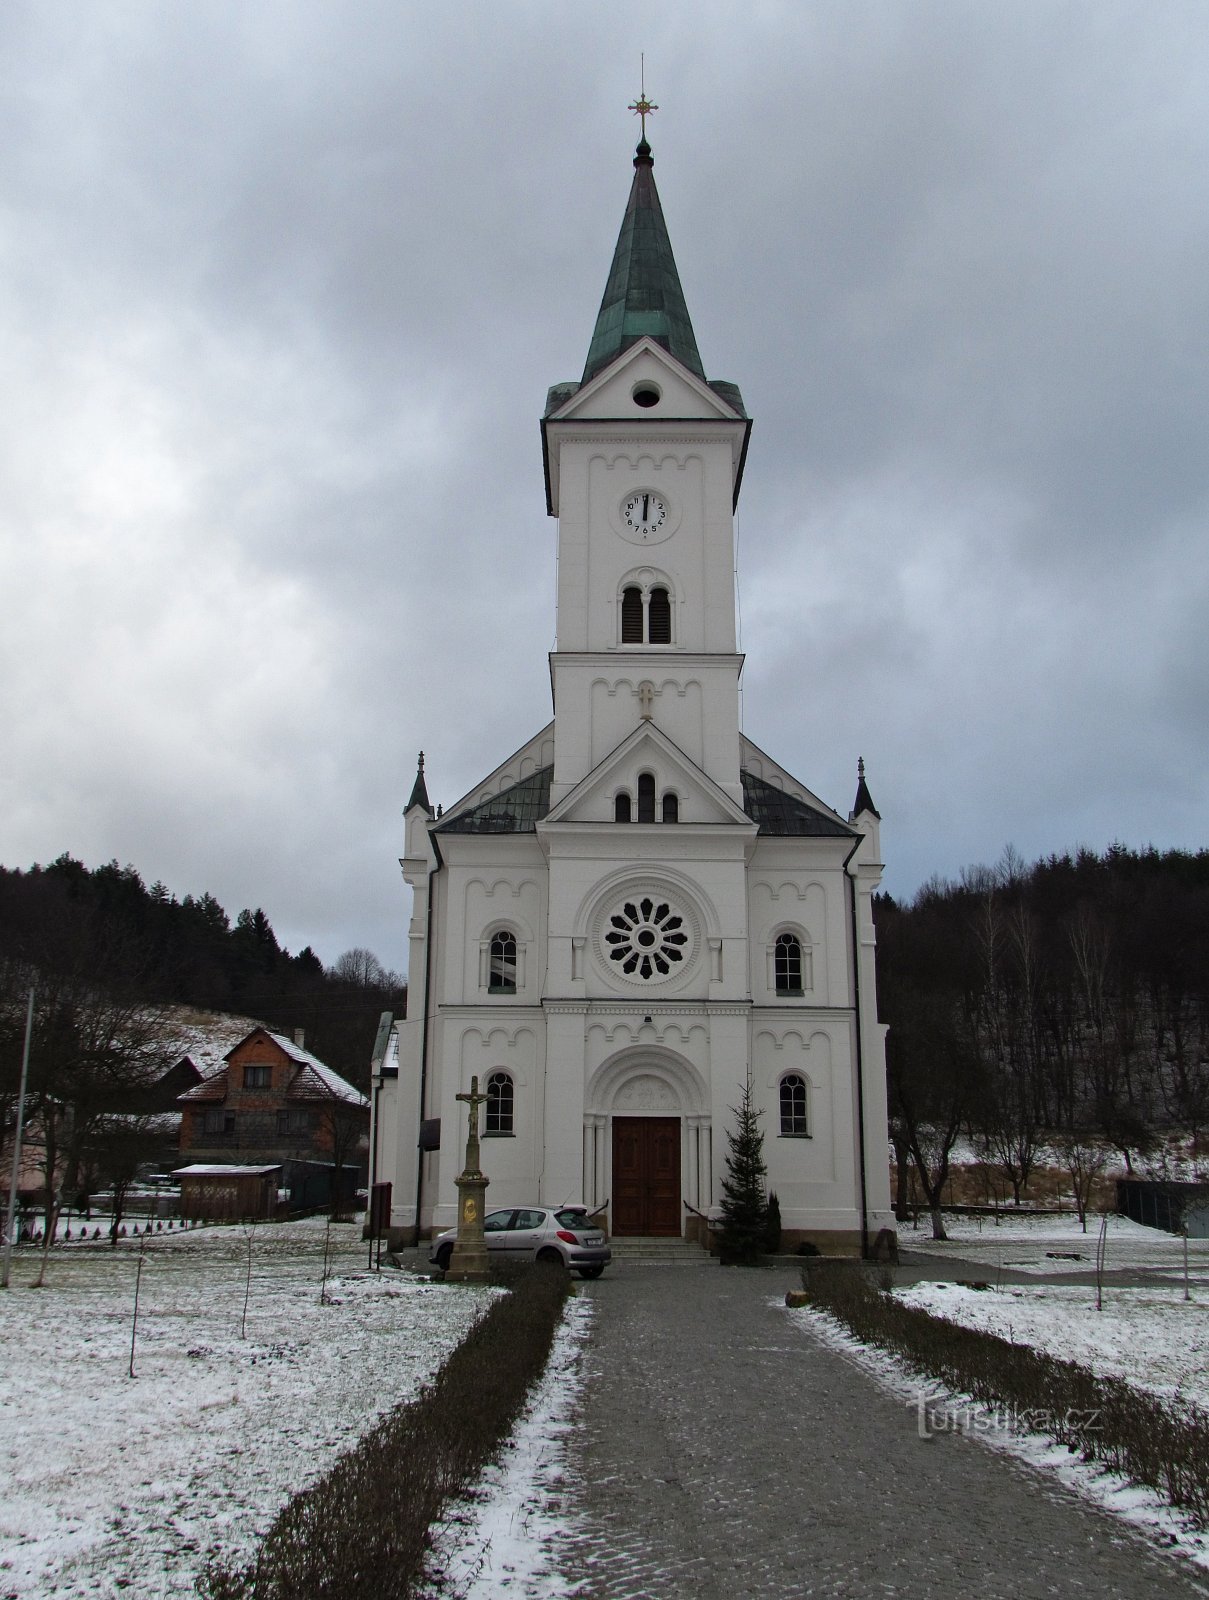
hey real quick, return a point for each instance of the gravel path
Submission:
(724, 1452)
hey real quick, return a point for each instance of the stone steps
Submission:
(659, 1250)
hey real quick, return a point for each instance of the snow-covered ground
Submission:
(114, 1485)
(504, 1538)
(1150, 1337)
(1057, 1245)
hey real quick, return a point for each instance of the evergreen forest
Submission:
(108, 953)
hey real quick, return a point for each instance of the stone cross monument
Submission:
(468, 1263)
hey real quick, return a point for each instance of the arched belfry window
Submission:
(502, 969)
(794, 1121)
(646, 613)
(671, 806)
(501, 1099)
(646, 797)
(787, 964)
(631, 616)
(659, 616)
(623, 809)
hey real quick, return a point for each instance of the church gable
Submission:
(522, 773)
(775, 799)
(647, 778)
(648, 384)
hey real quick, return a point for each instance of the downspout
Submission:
(860, 1052)
(424, 1033)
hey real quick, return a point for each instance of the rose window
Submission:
(646, 938)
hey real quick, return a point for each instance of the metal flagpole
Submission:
(12, 1187)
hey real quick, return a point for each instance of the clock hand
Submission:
(646, 501)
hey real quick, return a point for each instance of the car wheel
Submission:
(592, 1272)
(551, 1256)
(444, 1256)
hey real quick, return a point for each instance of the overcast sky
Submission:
(282, 289)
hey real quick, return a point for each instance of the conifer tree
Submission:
(744, 1205)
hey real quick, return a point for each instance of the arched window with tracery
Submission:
(794, 1122)
(787, 964)
(501, 972)
(646, 797)
(501, 1099)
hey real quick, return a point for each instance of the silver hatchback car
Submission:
(537, 1233)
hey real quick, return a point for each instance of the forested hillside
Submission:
(103, 933)
(1063, 1004)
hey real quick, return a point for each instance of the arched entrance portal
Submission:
(646, 1112)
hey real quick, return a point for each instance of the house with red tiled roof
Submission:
(272, 1104)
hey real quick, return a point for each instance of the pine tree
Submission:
(744, 1206)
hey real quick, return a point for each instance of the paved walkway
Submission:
(724, 1452)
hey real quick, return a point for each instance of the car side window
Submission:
(497, 1221)
(529, 1219)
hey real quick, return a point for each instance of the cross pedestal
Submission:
(468, 1264)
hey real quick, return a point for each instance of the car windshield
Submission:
(573, 1217)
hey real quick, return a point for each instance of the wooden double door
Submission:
(646, 1176)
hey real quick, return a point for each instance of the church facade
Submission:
(639, 911)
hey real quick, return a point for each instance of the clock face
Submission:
(644, 516)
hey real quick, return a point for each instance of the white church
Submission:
(639, 911)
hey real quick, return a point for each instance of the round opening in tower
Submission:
(646, 394)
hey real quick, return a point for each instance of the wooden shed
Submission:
(227, 1193)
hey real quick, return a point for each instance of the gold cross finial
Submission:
(642, 107)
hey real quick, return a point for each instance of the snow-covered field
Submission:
(1058, 1245)
(1150, 1337)
(114, 1485)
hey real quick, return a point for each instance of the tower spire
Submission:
(643, 297)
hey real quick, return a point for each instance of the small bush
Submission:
(363, 1528)
(1159, 1443)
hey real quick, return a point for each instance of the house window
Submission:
(500, 1097)
(623, 808)
(793, 1106)
(295, 1121)
(257, 1077)
(631, 616)
(646, 797)
(218, 1122)
(671, 807)
(787, 964)
(502, 971)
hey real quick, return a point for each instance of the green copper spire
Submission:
(643, 297)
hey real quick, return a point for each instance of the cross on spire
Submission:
(642, 107)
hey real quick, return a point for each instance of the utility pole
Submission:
(12, 1187)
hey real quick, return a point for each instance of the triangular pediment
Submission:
(645, 369)
(699, 799)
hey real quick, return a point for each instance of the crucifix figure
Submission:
(474, 1100)
(468, 1264)
(646, 700)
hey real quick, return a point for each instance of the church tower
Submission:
(639, 912)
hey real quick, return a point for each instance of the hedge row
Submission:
(1160, 1443)
(363, 1529)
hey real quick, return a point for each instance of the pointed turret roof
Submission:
(419, 789)
(864, 800)
(643, 296)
